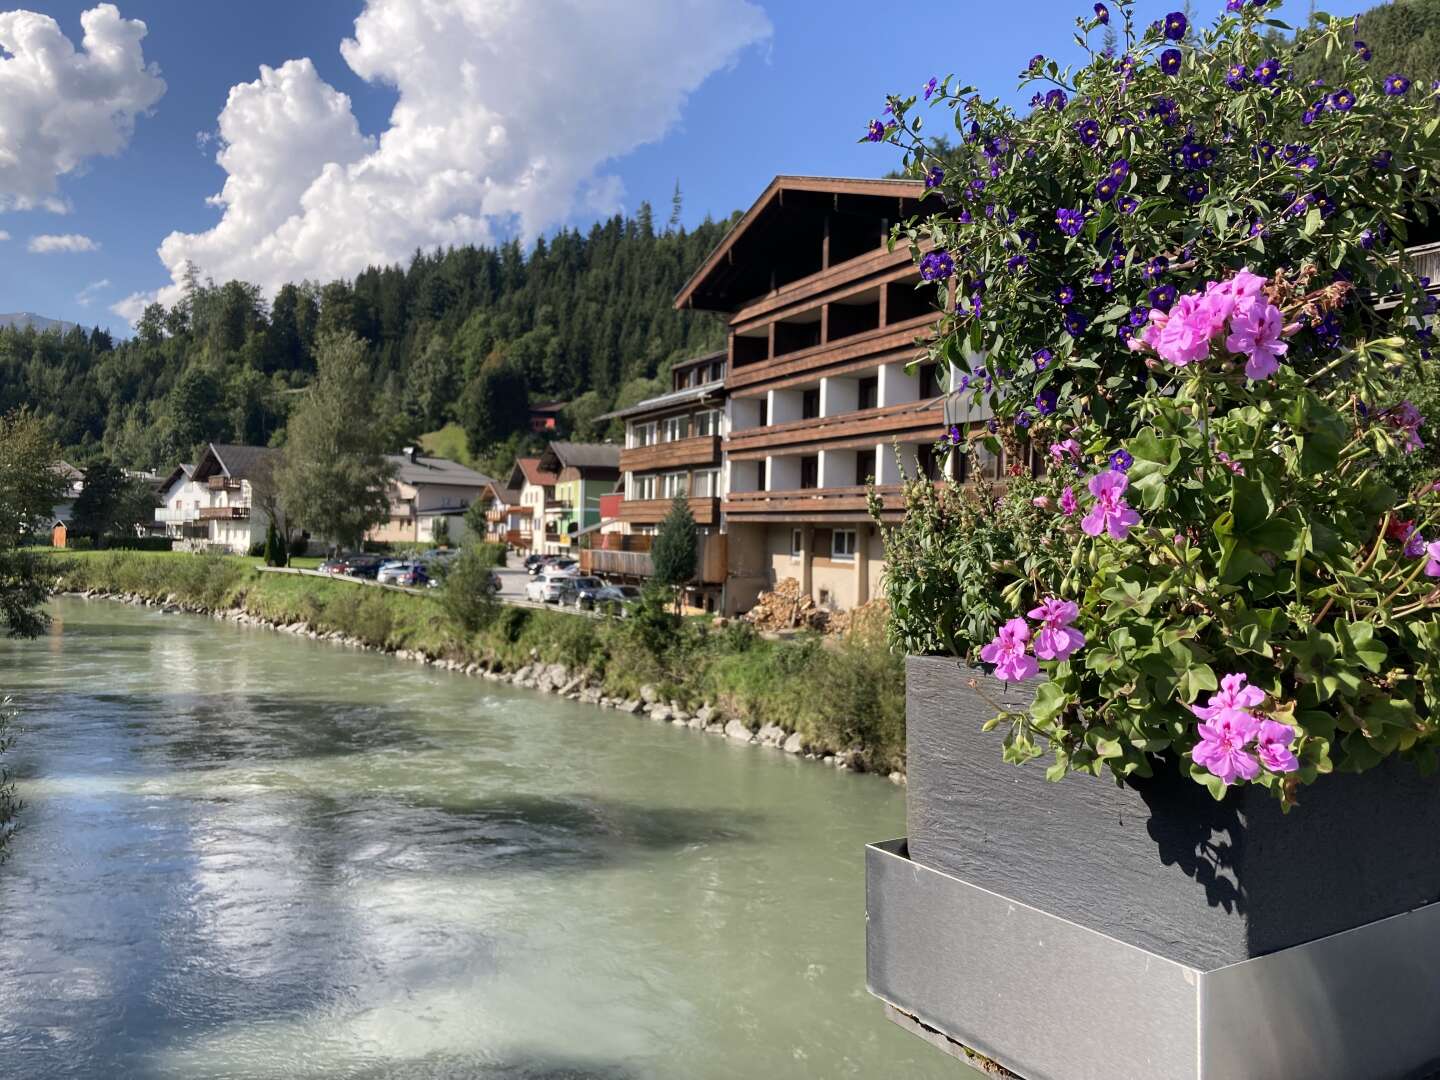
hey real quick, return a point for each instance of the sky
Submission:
(276, 141)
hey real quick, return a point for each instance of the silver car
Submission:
(549, 587)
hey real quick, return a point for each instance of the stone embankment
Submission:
(546, 678)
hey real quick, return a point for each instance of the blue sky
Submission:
(789, 92)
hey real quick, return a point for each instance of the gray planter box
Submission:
(1159, 863)
(1086, 929)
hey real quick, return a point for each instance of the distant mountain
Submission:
(23, 319)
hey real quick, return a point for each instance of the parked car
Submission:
(414, 576)
(584, 590)
(392, 572)
(363, 566)
(602, 594)
(333, 566)
(549, 587)
(534, 561)
(564, 566)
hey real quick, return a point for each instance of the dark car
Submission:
(533, 561)
(332, 566)
(364, 566)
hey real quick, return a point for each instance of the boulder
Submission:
(660, 713)
(793, 744)
(738, 731)
(771, 735)
(649, 694)
(632, 706)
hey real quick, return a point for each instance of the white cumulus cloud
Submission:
(507, 113)
(59, 106)
(64, 243)
(4, 235)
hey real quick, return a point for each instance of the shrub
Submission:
(466, 596)
(1166, 279)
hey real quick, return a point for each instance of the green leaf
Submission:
(1049, 702)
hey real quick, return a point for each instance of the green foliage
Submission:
(30, 485)
(673, 553)
(440, 533)
(466, 595)
(111, 504)
(273, 553)
(334, 479)
(1265, 502)
(9, 805)
(1403, 36)
(495, 404)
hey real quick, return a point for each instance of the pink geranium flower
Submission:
(1111, 513)
(1233, 698)
(1432, 552)
(1068, 505)
(1222, 748)
(1066, 448)
(1183, 336)
(1256, 330)
(1057, 639)
(1275, 744)
(1007, 653)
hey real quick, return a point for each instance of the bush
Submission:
(1166, 291)
(466, 595)
(490, 555)
(139, 543)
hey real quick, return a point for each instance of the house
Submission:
(181, 497)
(823, 319)
(507, 520)
(424, 491)
(237, 482)
(584, 472)
(672, 447)
(74, 483)
(537, 495)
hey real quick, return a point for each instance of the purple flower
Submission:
(1127, 204)
(1065, 295)
(1042, 357)
(1047, 400)
(935, 177)
(1089, 131)
(1139, 316)
(1170, 61)
(1120, 168)
(1068, 503)
(1342, 100)
(1165, 110)
(1175, 25)
(876, 132)
(1363, 50)
(1111, 513)
(1414, 544)
(1268, 72)
(1106, 188)
(1008, 653)
(1274, 744)
(1237, 76)
(930, 87)
(1070, 222)
(1396, 85)
(1195, 192)
(1022, 419)
(1381, 161)
(1407, 419)
(1057, 638)
(1121, 461)
(936, 266)
(1234, 6)
(1156, 267)
(1017, 262)
(1102, 278)
(955, 435)
(1103, 14)
(1056, 99)
(1432, 555)
(1162, 297)
(1075, 323)
(1035, 61)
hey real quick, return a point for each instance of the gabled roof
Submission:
(187, 471)
(232, 460)
(420, 470)
(527, 471)
(666, 401)
(507, 496)
(67, 471)
(599, 457)
(731, 275)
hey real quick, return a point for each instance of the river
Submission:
(247, 855)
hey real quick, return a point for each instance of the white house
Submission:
(427, 490)
(181, 499)
(231, 476)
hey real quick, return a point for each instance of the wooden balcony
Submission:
(902, 337)
(653, 511)
(700, 450)
(710, 561)
(911, 422)
(222, 483)
(812, 504)
(224, 513)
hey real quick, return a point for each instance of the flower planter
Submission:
(1086, 929)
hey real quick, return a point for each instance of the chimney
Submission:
(414, 454)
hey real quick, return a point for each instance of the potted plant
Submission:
(1205, 595)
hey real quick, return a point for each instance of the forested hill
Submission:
(468, 334)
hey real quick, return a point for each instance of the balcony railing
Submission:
(222, 483)
(652, 511)
(699, 450)
(710, 561)
(225, 513)
(803, 504)
(169, 515)
(915, 421)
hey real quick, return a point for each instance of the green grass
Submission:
(840, 695)
(448, 442)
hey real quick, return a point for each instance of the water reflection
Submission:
(250, 856)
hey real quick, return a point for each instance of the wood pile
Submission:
(787, 608)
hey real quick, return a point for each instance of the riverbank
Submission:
(838, 702)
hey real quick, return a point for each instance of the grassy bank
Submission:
(840, 695)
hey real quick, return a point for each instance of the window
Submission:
(706, 484)
(797, 543)
(676, 428)
(642, 434)
(675, 483)
(810, 472)
(869, 392)
(717, 370)
(864, 467)
(810, 404)
(705, 423)
(643, 487)
(842, 544)
(930, 382)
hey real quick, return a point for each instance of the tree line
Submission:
(470, 335)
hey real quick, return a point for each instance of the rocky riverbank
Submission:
(547, 678)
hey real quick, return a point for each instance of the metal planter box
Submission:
(1084, 929)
